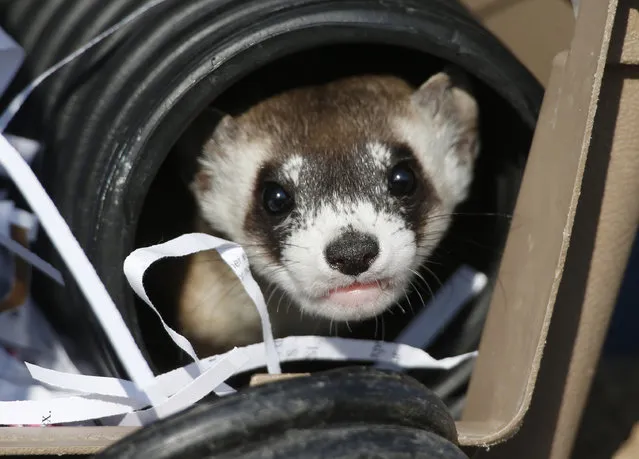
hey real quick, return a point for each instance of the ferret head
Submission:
(339, 192)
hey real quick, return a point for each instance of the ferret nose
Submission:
(352, 253)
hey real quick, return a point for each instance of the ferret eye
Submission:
(401, 180)
(275, 199)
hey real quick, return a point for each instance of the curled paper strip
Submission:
(122, 402)
(290, 349)
(140, 260)
(19, 250)
(189, 382)
(61, 410)
(182, 389)
(199, 388)
(91, 406)
(147, 398)
(79, 265)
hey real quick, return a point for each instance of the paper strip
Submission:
(74, 409)
(31, 258)
(78, 263)
(292, 348)
(10, 215)
(27, 148)
(62, 410)
(58, 231)
(19, 100)
(17, 384)
(219, 372)
(110, 387)
(141, 259)
(6, 210)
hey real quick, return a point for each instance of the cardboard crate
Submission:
(570, 236)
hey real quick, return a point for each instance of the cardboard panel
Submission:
(534, 30)
(605, 226)
(519, 317)
(531, 271)
(58, 440)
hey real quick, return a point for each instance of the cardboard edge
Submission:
(494, 433)
(59, 440)
(490, 434)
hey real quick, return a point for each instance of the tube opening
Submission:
(476, 237)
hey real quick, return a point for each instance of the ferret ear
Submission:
(225, 128)
(199, 142)
(447, 99)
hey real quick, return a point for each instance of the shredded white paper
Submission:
(140, 260)
(157, 397)
(147, 398)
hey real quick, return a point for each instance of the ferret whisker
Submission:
(419, 276)
(470, 214)
(397, 305)
(421, 298)
(274, 269)
(279, 302)
(273, 291)
(383, 329)
(407, 301)
(435, 263)
(431, 237)
(432, 273)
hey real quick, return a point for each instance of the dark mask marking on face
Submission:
(331, 128)
(337, 179)
(415, 207)
(262, 224)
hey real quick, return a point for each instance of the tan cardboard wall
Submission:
(534, 30)
(605, 226)
(553, 189)
(510, 356)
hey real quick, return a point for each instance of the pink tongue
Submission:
(355, 295)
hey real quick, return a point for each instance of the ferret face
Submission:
(339, 193)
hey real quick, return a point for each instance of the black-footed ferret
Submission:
(338, 193)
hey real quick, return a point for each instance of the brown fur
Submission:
(321, 118)
(329, 120)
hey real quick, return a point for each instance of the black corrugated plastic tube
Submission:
(110, 118)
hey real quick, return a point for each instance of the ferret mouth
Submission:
(357, 301)
(357, 293)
